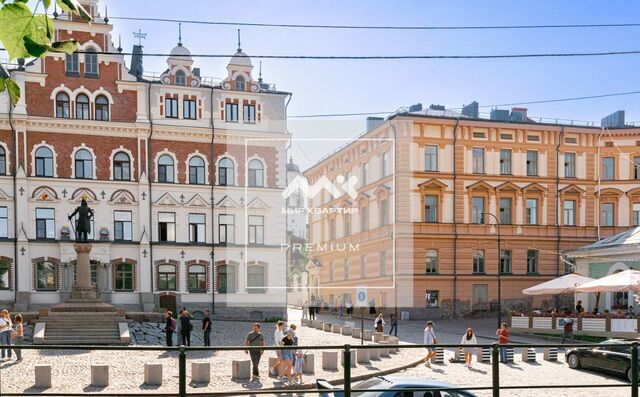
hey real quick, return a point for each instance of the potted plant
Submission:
(104, 233)
(65, 233)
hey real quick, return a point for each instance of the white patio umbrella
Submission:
(566, 284)
(627, 280)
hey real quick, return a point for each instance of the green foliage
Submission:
(25, 35)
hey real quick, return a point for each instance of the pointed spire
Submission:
(55, 10)
(179, 34)
(106, 14)
(260, 74)
(239, 46)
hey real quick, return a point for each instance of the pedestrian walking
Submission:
(379, 323)
(6, 327)
(278, 334)
(339, 310)
(349, 307)
(298, 366)
(305, 310)
(255, 338)
(206, 328)
(503, 339)
(186, 327)
(394, 324)
(169, 328)
(312, 311)
(431, 341)
(567, 327)
(468, 339)
(287, 358)
(18, 336)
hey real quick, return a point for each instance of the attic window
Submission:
(608, 144)
(240, 83)
(480, 135)
(570, 139)
(181, 78)
(506, 137)
(533, 138)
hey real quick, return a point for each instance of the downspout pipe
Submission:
(150, 180)
(558, 231)
(455, 222)
(286, 219)
(14, 174)
(212, 181)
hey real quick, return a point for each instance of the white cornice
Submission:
(78, 26)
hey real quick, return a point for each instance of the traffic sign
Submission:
(361, 297)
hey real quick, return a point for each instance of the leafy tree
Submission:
(25, 34)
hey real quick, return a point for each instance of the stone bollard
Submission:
(377, 337)
(374, 354)
(363, 356)
(327, 327)
(355, 332)
(353, 358)
(319, 325)
(335, 328)
(394, 341)
(43, 376)
(153, 374)
(241, 369)
(201, 372)
(330, 360)
(309, 366)
(99, 375)
(483, 355)
(529, 354)
(346, 330)
(550, 354)
(368, 334)
(384, 350)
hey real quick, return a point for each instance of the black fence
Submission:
(347, 387)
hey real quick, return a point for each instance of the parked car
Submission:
(394, 388)
(609, 356)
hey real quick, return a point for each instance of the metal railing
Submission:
(346, 380)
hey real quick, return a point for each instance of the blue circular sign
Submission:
(362, 296)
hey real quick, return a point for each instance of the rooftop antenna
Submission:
(260, 74)
(239, 46)
(180, 34)
(139, 35)
(106, 14)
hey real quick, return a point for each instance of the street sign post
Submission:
(361, 301)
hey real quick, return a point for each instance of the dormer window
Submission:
(91, 62)
(240, 83)
(181, 78)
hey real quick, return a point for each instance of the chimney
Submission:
(374, 122)
(136, 62)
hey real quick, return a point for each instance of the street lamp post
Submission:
(499, 270)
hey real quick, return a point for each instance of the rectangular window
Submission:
(122, 227)
(478, 261)
(384, 212)
(383, 263)
(532, 261)
(608, 168)
(636, 167)
(4, 275)
(197, 228)
(347, 224)
(226, 229)
(430, 209)
(606, 218)
(533, 138)
(231, 112)
(189, 109)
(123, 277)
(363, 267)
(569, 213)
(431, 158)
(71, 63)
(332, 229)
(385, 165)
(45, 223)
(256, 229)
(167, 278)
(46, 276)
(4, 222)
(636, 214)
(479, 135)
(171, 108)
(531, 213)
(569, 165)
(364, 219)
(532, 163)
(249, 114)
(431, 298)
(505, 211)
(505, 161)
(477, 208)
(331, 270)
(478, 160)
(505, 261)
(346, 268)
(365, 174)
(166, 226)
(431, 261)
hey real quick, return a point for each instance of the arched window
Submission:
(196, 171)
(226, 174)
(3, 161)
(102, 108)
(255, 279)
(197, 278)
(62, 106)
(44, 162)
(46, 276)
(82, 107)
(181, 78)
(71, 64)
(123, 280)
(256, 173)
(226, 279)
(91, 62)
(165, 169)
(121, 167)
(240, 83)
(83, 164)
(167, 278)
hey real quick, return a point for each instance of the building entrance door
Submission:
(168, 302)
(480, 298)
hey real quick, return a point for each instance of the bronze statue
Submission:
(83, 223)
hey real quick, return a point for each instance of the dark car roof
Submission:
(408, 381)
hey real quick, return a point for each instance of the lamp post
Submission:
(499, 270)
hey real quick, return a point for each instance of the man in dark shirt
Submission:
(169, 328)
(206, 328)
(255, 338)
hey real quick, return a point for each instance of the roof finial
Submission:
(260, 73)
(139, 35)
(180, 34)
(239, 46)
(55, 10)
(106, 14)
(119, 43)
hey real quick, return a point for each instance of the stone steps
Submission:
(74, 328)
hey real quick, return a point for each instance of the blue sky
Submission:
(385, 85)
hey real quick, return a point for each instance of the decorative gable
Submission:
(84, 193)
(534, 188)
(481, 185)
(122, 197)
(4, 196)
(227, 202)
(572, 189)
(167, 200)
(44, 193)
(432, 184)
(197, 201)
(508, 186)
(257, 204)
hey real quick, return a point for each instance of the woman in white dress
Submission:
(468, 339)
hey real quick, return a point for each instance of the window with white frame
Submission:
(636, 167)
(181, 78)
(384, 212)
(102, 108)
(83, 163)
(478, 261)
(121, 167)
(171, 108)
(197, 278)
(532, 261)
(478, 160)
(430, 208)
(122, 226)
(431, 158)
(608, 168)
(256, 229)
(165, 169)
(431, 261)
(636, 214)
(166, 226)
(532, 163)
(62, 106)
(226, 229)
(4, 222)
(385, 164)
(226, 172)
(569, 209)
(196, 170)
(255, 279)
(477, 209)
(240, 83)
(364, 218)
(71, 65)
(45, 223)
(569, 165)
(505, 211)
(505, 261)
(82, 107)
(505, 161)
(365, 174)
(197, 228)
(531, 212)
(606, 214)
(3, 161)
(167, 276)
(46, 276)
(256, 173)
(249, 114)
(189, 109)
(91, 62)
(231, 112)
